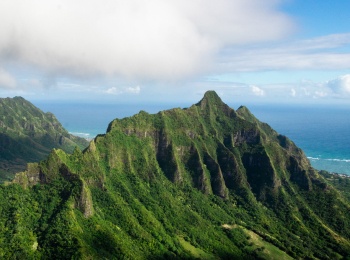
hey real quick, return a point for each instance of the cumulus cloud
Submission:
(153, 40)
(257, 91)
(340, 86)
(6, 79)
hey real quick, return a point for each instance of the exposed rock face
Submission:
(299, 174)
(250, 136)
(30, 177)
(260, 174)
(166, 158)
(85, 201)
(216, 179)
(198, 172)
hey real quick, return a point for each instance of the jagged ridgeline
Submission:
(28, 135)
(204, 182)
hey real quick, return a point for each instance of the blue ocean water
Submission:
(89, 120)
(323, 132)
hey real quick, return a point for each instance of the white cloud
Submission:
(6, 79)
(311, 54)
(302, 91)
(113, 91)
(293, 92)
(133, 90)
(340, 86)
(153, 40)
(257, 91)
(121, 90)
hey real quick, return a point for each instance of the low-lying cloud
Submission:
(147, 40)
(340, 86)
(257, 91)
(123, 90)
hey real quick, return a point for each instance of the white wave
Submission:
(80, 134)
(338, 160)
(328, 159)
(313, 158)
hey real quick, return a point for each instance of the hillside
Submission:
(28, 135)
(205, 182)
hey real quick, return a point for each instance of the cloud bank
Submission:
(147, 40)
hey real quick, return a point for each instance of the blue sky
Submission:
(318, 18)
(162, 51)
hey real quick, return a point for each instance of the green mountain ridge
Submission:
(205, 182)
(28, 135)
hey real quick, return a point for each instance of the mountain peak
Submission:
(211, 97)
(212, 103)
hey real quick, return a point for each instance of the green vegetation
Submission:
(340, 181)
(258, 245)
(28, 135)
(203, 182)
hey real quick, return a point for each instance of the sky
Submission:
(161, 51)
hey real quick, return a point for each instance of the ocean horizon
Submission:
(322, 132)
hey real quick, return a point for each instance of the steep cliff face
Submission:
(217, 148)
(27, 135)
(196, 182)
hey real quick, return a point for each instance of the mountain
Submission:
(206, 182)
(28, 135)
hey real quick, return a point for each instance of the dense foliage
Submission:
(28, 135)
(204, 182)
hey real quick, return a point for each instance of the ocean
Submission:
(323, 132)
